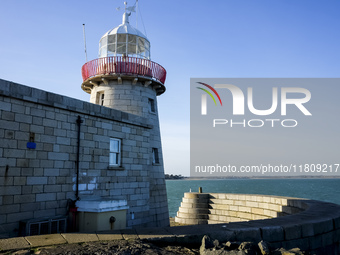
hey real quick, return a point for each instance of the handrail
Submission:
(123, 65)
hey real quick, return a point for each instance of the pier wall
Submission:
(281, 221)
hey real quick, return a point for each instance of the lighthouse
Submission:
(124, 78)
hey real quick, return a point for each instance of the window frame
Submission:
(155, 156)
(100, 98)
(119, 153)
(151, 105)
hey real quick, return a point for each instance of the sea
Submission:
(318, 189)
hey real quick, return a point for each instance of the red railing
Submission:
(123, 65)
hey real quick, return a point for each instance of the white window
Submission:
(155, 158)
(100, 98)
(152, 105)
(115, 151)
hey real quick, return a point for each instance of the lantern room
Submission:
(124, 40)
(124, 53)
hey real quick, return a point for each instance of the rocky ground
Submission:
(117, 247)
(139, 247)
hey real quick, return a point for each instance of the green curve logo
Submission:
(209, 93)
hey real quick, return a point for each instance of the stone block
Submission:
(252, 204)
(249, 234)
(18, 108)
(323, 226)
(26, 189)
(302, 244)
(51, 172)
(258, 217)
(258, 211)
(36, 180)
(6, 106)
(9, 125)
(80, 238)
(243, 215)
(14, 153)
(16, 217)
(292, 232)
(19, 181)
(26, 171)
(58, 156)
(38, 172)
(45, 240)
(10, 190)
(315, 242)
(38, 112)
(29, 207)
(44, 213)
(6, 181)
(7, 115)
(37, 121)
(328, 238)
(22, 199)
(6, 200)
(45, 197)
(16, 243)
(61, 196)
(228, 202)
(52, 205)
(336, 236)
(239, 203)
(52, 188)
(37, 189)
(337, 222)
(63, 140)
(233, 208)
(24, 127)
(37, 129)
(272, 234)
(8, 209)
(49, 123)
(274, 207)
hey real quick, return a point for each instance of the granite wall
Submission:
(40, 182)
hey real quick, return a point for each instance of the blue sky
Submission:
(42, 46)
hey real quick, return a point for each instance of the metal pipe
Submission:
(79, 121)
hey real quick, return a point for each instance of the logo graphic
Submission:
(239, 99)
(204, 97)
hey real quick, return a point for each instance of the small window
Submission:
(155, 158)
(115, 152)
(152, 105)
(100, 98)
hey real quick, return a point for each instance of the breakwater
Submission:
(281, 221)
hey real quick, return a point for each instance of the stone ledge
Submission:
(22, 92)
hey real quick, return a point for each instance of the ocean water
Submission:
(318, 189)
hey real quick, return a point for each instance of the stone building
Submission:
(68, 165)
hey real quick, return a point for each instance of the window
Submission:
(155, 158)
(115, 152)
(152, 105)
(100, 98)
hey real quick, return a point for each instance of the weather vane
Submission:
(130, 8)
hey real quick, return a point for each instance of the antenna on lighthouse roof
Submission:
(136, 14)
(85, 42)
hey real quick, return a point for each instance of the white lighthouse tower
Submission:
(124, 78)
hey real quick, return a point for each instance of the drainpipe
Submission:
(79, 121)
